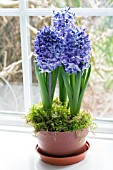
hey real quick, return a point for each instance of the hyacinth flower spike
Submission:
(48, 49)
(63, 21)
(76, 62)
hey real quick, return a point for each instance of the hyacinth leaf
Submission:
(83, 90)
(49, 85)
(54, 80)
(44, 77)
(68, 88)
(77, 91)
(46, 80)
(44, 94)
(83, 79)
(72, 81)
(62, 88)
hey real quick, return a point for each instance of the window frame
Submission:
(24, 13)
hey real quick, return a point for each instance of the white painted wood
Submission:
(24, 13)
(49, 11)
(25, 58)
(9, 12)
(77, 11)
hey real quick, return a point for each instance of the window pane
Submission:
(99, 94)
(71, 3)
(9, 3)
(39, 3)
(11, 79)
(84, 3)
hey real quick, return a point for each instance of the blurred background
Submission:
(98, 98)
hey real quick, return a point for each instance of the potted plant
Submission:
(61, 52)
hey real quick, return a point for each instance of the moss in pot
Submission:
(62, 52)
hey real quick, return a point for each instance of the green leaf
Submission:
(77, 91)
(72, 82)
(44, 93)
(54, 80)
(68, 88)
(83, 79)
(83, 90)
(49, 85)
(62, 88)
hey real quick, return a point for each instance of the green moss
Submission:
(58, 118)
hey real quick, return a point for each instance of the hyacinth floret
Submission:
(48, 47)
(63, 20)
(77, 49)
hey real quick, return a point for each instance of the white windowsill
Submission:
(16, 122)
(17, 152)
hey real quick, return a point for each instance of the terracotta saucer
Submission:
(62, 161)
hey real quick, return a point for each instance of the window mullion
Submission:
(9, 12)
(25, 58)
(77, 11)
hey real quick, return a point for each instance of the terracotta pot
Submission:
(63, 161)
(62, 143)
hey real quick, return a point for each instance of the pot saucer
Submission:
(62, 161)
